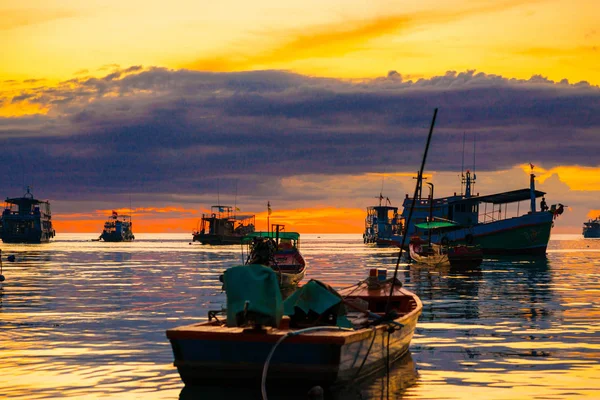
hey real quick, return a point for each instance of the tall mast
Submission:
(410, 213)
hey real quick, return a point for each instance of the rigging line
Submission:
(410, 213)
(462, 167)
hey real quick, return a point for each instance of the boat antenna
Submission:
(218, 194)
(235, 200)
(474, 175)
(462, 167)
(410, 213)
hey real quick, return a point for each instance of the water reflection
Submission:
(80, 319)
(403, 375)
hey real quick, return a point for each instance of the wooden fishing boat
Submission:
(280, 251)
(26, 220)
(438, 255)
(303, 347)
(118, 228)
(223, 226)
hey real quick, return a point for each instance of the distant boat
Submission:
(317, 336)
(223, 226)
(591, 229)
(26, 220)
(488, 227)
(118, 228)
(381, 221)
(280, 251)
(444, 255)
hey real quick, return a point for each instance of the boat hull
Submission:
(527, 234)
(217, 240)
(591, 233)
(115, 237)
(310, 359)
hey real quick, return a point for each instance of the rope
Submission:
(263, 382)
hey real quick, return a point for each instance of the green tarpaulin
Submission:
(258, 285)
(318, 298)
(282, 235)
(436, 225)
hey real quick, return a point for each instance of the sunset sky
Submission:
(315, 106)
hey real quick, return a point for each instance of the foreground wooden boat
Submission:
(304, 348)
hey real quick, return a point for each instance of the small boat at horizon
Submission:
(26, 220)
(223, 226)
(118, 228)
(591, 228)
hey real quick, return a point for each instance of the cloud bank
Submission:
(175, 134)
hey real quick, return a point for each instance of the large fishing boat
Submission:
(381, 221)
(223, 226)
(118, 228)
(26, 220)
(591, 229)
(483, 220)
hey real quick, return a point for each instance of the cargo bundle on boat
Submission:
(118, 228)
(26, 220)
(223, 226)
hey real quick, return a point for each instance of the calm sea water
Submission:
(85, 320)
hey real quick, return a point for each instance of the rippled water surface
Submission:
(82, 319)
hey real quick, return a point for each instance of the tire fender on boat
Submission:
(469, 239)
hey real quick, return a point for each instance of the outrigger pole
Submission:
(412, 207)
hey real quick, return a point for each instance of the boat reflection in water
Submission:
(403, 374)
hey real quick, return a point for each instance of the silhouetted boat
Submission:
(591, 229)
(381, 221)
(491, 229)
(118, 228)
(26, 220)
(223, 226)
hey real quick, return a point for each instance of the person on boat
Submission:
(543, 205)
(285, 244)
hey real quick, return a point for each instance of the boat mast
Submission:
(430, 211)
(412, 207)
(462, 167)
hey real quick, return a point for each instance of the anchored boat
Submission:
(381, 221)
(26, 220)
(280, 251)
(484, 220)
(223, 226)
(118, 228)
(317, 336)
(591, 229)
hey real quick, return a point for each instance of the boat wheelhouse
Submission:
(591, 229)
(118, 228)
(482, 220)
(223, 226)
(26, 220)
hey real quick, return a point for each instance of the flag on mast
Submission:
(269, 208)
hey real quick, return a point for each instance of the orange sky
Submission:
(45, 42)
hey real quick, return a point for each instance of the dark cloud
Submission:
(160, 131)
